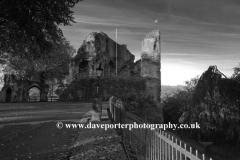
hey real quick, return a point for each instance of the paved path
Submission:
(28, 130)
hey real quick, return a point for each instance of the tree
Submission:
(211, 100)
(178, 103)
(29, 28)
(51, 67)
(216, 106)
(236, 74)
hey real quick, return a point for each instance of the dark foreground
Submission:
(28, 130)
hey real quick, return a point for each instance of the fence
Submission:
(150, 144)
(37, 98)
(53, 98)
(34, 98)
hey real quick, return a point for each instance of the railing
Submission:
(53, 98)
(37, 98)
(34, 98)
(150, 144)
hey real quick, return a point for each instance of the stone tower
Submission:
(151, 55)
(151, 61)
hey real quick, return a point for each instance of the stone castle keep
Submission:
(99, 50)
(151, 63)
(150, 58)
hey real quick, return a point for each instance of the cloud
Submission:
(183, 54)
(194, 33)
(212, 11)
(107, 22)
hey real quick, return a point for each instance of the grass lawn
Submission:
(93, 144)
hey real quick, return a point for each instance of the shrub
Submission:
(86, 89)
(136, 98)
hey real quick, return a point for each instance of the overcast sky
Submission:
(194, 33)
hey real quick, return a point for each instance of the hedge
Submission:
(138, 94)
(86, 89)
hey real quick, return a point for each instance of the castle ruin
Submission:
(151, 63)
(100, 50)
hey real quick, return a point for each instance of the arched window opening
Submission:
(83, 65)
(34, 94)
(111, 64)
(8, 95)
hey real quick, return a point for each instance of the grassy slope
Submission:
(93, 144)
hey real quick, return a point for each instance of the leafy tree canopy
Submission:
(211, 100)
(54, 65)
(179, 102)
(215, 105)
(236, 74)
(29, 28)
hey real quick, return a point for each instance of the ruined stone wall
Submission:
(151, 55)
(151, 63)
(136, 69)
(16, 90)
(100, 50)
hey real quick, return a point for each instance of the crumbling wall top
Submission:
(153, 34)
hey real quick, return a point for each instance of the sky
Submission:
(194, 33)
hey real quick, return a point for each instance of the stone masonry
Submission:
(100, 50)
(150, 66)
(151, 63)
